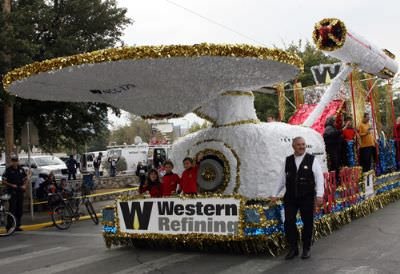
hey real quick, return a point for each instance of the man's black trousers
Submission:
(306, 208)
(17, 206)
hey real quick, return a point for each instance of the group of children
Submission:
(171, 183)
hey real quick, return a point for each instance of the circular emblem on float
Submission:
(211, 175)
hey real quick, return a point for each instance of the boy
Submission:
(170, 180)
(188, 182)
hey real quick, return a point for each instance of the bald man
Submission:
(304, 181)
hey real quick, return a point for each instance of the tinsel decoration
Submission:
(387, 155)
(389, 112)
(280, 89)
(360, 97)
(375, 102)
(351, 153)
(298, 94)
(153, 52)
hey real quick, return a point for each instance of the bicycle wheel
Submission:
(91, 212)
(7, 223)
(62, 217)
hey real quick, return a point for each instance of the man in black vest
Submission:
(304, 181)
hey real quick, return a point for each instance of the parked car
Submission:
(44, 164)
(2, 169)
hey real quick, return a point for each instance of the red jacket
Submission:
(188, 182)
(169, 183)
(154, 190)
(349, 133)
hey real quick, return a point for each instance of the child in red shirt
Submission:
(188, 182)
(152, 184)
(349, 133)
(170, 180)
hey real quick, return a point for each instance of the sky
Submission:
(257, 22)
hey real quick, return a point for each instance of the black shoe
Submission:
(292, 253)
(18, 229)
(306, 254)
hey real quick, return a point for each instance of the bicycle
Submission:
(7, 219)
(68, 210)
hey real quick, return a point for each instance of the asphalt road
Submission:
(368, 245)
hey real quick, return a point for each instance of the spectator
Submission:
(64, 189)
(113, 165)
(72, 166)
(333, 144)
(367, 143)
(304, 182)
(48, 186)
(170, 180)
(270, 119)
(396, 135)
(141, 171)
(152, 184)
(97, 164)
(16, 181)
(188, 182)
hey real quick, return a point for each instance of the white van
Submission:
(87, 162)
(133, 154)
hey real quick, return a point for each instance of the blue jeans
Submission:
(97, 172)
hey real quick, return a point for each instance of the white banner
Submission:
(217, 216)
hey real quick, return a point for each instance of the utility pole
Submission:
(8, 100)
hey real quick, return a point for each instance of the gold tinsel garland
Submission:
(152, 52)
(238, 163)
(280, 89)
(338, 43)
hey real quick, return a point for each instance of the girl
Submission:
(152, 184)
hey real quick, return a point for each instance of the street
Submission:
(368, 245)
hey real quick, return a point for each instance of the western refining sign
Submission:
(218, 216)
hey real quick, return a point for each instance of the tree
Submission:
(127, 134)
(267, 104)
(43, 29)
(196, 127)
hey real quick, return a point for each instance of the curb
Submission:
(50, 224)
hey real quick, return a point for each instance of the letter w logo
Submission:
(136, 213)
(325, 72)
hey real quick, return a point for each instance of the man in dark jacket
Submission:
(333, 145)
(304, 181)
(72, 166)
(16, 181)
(141, 172)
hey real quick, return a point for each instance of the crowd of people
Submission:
(336, 138)
(163, 182)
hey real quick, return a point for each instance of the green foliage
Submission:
(127, 134)
(267, 104)
(196, 127)
(39, 29)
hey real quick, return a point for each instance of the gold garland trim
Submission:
(238, 93)
(204, 116)
(153, 52)
(238, 163)
(227, 168)
(238, 123)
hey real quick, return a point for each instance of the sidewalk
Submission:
(42, 218)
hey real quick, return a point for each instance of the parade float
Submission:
(242, 156)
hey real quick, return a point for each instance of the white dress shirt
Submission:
(318, 176)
